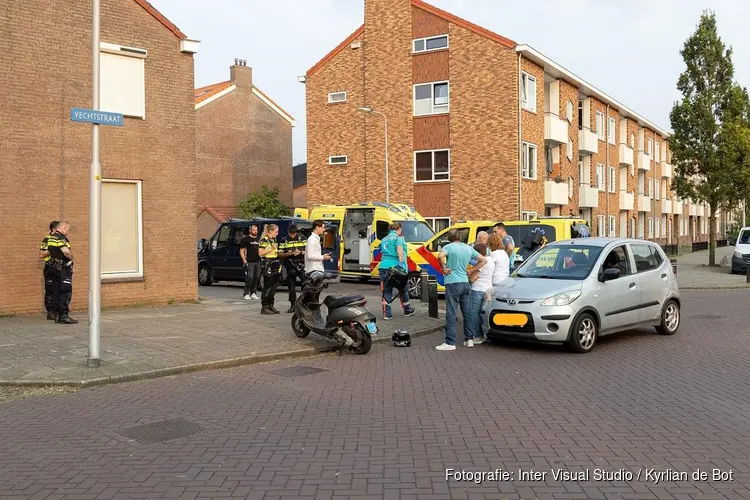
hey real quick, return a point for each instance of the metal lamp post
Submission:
(371, 111)
(95, 208)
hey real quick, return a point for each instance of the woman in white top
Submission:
(499, 256)
(481, 283)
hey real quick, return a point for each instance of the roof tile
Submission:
(203, 93)
(160, 17)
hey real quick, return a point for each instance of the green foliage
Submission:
(263, 203)
(711, 140)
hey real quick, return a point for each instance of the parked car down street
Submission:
(572, 292)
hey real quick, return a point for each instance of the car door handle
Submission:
(632, 285)
(664, 275)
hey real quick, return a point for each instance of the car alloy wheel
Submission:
(583, 334)
(670, 319)
(414, 286)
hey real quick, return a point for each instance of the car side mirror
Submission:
(609, 275)
(202, 244)
(213, 245)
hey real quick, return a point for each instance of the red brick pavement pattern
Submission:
(388, 424)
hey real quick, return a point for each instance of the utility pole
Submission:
(95, 207)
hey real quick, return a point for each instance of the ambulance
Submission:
(425, 257)
(362, 227)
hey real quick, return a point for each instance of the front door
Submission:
(619, 298)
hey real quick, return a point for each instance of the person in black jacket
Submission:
(249, 246)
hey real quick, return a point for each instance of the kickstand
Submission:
(341, 349)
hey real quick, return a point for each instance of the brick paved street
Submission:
(387, 425)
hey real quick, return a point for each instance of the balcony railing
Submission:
(666, 170)
(589, 197)
(626, 200)
(588, 142)
(666, 206)
(555, 129)
(626, 155)
(555, 193)
(644, 203)
(644, 161)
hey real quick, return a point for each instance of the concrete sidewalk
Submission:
(693, 271)
(151, 342)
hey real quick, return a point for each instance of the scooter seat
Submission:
(334, 301)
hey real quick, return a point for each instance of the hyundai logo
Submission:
(512, 302)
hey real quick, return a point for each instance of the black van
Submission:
(219, 256)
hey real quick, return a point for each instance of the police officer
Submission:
(270, 266)
(292, 249)
(49, 276)
(62, 260)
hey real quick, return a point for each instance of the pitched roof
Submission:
(273, 104)
(203, 93)
(160, 17)
(221, 214)
(299, 175)
(431, 9)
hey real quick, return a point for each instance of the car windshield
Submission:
(564, 262)
(415, 231)
(744, 238)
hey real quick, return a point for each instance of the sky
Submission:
(629, 49)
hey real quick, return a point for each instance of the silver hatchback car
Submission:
(571, 292)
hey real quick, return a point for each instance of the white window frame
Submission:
(528, 215)
(612, 226)
(569, 149)
(657, 191)
(601, 177)
(425, 39)
(526, 103)
(569, 111)
(433, 151)
(332, 162)
(431, 221)
(601, 225)
(331, 99)
(612, 179)
(526, 169)
(651, 188)
(435, 109)
(611, 127)
(657, 152)
(657, 227)
(111, 49)
(571, 188)
(139, 273)
(650, 146)
(600, 132)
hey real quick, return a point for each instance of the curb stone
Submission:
(195, 367)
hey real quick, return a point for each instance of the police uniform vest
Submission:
(44, 247)
(55, 243)
(265, 243)
(289, 244)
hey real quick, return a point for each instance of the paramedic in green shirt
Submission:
(393, 254)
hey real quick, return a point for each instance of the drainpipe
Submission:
(607, 160)
(520, 141)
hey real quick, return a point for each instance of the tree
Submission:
(710, 146)
(263, 203)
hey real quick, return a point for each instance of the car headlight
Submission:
(561, 299)
(738, 255)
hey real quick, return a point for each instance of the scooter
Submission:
(349, 322)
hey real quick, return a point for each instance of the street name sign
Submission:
(99, 117)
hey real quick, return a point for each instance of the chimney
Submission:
(241, 74)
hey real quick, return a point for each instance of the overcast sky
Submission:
(626, 48)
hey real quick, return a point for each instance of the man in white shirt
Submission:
(313, 251)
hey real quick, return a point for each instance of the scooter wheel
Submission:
(299, 328)
(363, 340)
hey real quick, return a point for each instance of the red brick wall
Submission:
(532, 124)
(45, 157)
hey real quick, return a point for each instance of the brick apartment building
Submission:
(148, 165)
(480, 127)
(243, 140)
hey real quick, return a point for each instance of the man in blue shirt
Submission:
(455, 259)
(394, 251)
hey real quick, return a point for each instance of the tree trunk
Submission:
(712, 237)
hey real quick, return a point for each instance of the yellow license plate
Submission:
(510, 319)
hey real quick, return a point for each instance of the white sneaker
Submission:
(468, 343)
(445, 347)
(479, 340)
(246, 297)
(254, 297)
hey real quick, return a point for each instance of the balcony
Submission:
(644, 161)
(700, 211)
(677, 207)
(589, 197)
(555, 129)
(626, 200)
(588, 142)
(626, 155)
(555, 193)
(644, 203)
(666, 206)
(666, 170)
(692, 209)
